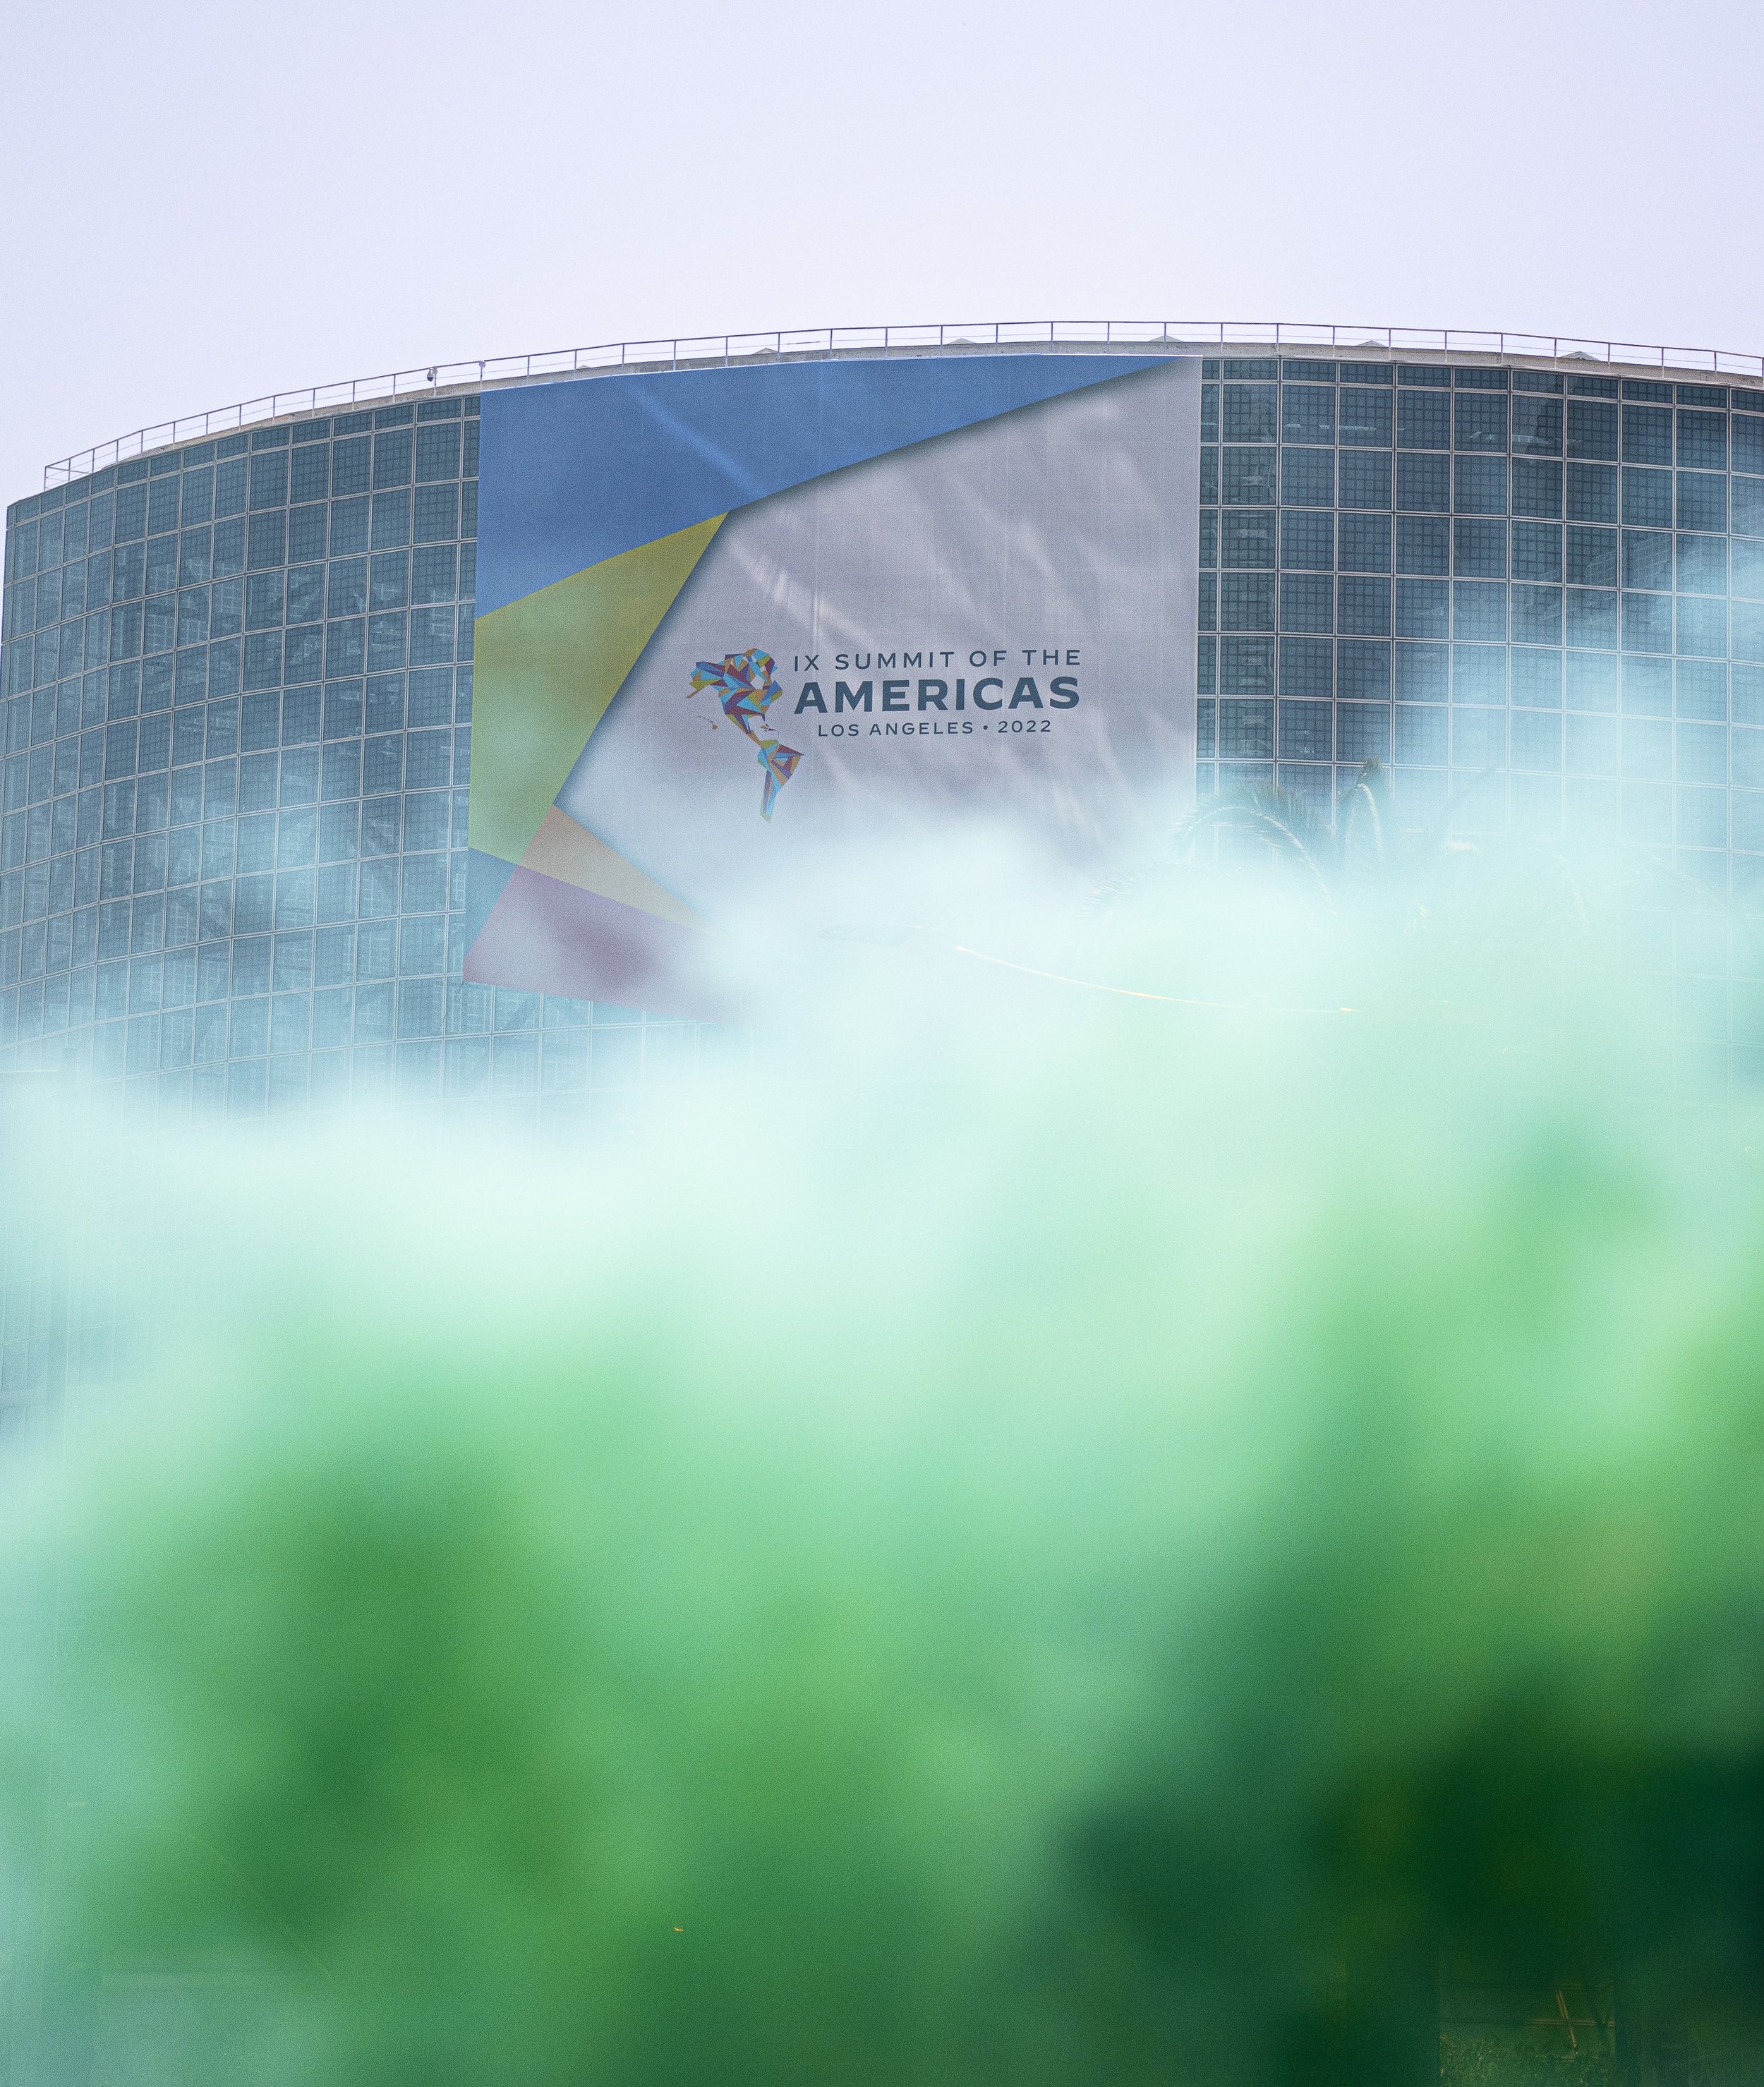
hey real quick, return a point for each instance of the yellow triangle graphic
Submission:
(570, 854)
(548, 666)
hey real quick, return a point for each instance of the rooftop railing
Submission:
(728, 350)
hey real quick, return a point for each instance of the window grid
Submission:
(235, 749)
(1574, 628)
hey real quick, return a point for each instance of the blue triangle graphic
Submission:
(575, 472)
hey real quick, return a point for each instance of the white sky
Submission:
(206, 202)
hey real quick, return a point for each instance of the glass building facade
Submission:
(237, 673)
(1537, 593)
(237, 744)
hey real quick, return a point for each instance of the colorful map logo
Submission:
(745, 685)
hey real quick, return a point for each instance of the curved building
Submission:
(238, 671)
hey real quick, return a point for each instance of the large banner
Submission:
(735, 625)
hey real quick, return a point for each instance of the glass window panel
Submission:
(1423, 484)
(343, 710)
(305, 533)
(391, 459)
(269, 479)
(1246, 666)
(1307, 731)
(351, 465)
(1480, 549)
(1307, 413)
(386, 642)
(1702, 500)
(1647, 623)
(349, 527)
(161, 564)
(1647, 560)
(1480, 610)
(349, 587)
(346, 646)
(1246, 536)
(1251, 412)
(228, 548)
(1245, 601)
(385, 703)
(197, 503)
(434, 577)
(1537, 486)
(1647, 687)
(1702, 627)
(437, 513)
(131, 512)
(1647, 498)
(1537, 426)
(1362, 667)
(1366, 417)
(303, 657)
(1248, 478)
(1537, 615)
(391, 521)
(1422, 544)
(1536, 678)
(1309, 477)
(1307, 666)
(1423, 421)
(389, 580)
(300, 726)
(1421, 736)
(1479, 675)
(1748, 444)
(194, 558)
(1592, 556)
(306, 593)
(1702, 689)
(1479, 483)
(1702, 441)
(1423, 608)
(259, 722)
(268, 540)
(1365, 478)
(1307, 602)
(1647, 435)
(1365, 543)
(1592, 493)
(437, 452)
(1748, 506)
(1481, 420)
(1592, 429)
(1592, 618)
(1424, 673)
(1246, 730)
(1363, 605)
(1536, 740)
(1703, 565)
(1537, 551)
(227, 609)
(1363, 731)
